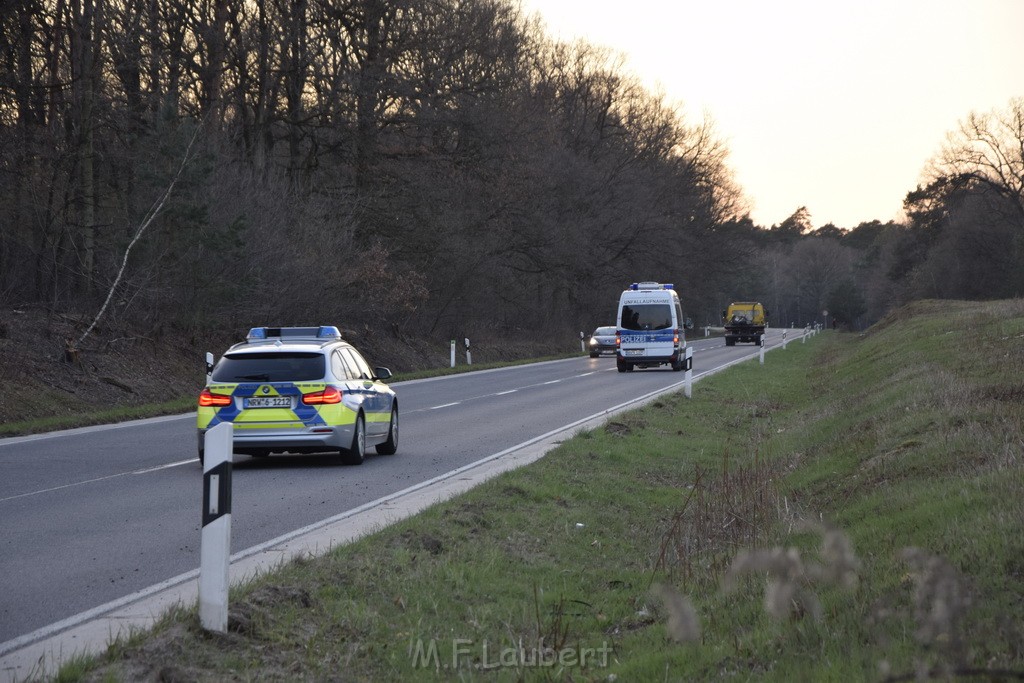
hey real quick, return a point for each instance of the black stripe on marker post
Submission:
(216, 505)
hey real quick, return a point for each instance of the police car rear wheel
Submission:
(356, 453)
(390, 446)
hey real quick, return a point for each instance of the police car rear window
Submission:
(647, 317)
(270, 367)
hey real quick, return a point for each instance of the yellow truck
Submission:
(744, 322)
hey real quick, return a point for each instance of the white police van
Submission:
(649, 327)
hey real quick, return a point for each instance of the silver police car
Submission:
(299, 390)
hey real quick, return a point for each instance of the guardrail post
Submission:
(688, 366)
(215, 545)
(761, 342)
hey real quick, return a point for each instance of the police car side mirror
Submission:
(382, 373)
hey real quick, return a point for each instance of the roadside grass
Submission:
(851, 511)
(97, 417)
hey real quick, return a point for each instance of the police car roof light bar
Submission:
(321, 332)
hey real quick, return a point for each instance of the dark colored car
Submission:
(602, 341)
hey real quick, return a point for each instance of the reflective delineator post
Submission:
(583, 345)
(469, 356)
(688, 366)
(761, 342)
(784, 339)
(215, 546)
(453, 353)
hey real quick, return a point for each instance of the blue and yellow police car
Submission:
(299, 390)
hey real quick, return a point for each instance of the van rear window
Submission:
(270, 367)
(647, 317)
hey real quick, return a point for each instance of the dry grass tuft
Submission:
(789, 591)
(683, 623)
(733, 510)
(941, 602)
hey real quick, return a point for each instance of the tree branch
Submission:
(148, 220)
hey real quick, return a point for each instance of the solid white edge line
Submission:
(64, 624)
(14, 440)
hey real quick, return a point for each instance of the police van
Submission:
(649, 327)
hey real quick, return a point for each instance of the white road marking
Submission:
(164, 467)
(502, 393)
(93, 481)
(445, 405)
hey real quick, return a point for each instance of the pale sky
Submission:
(836, 105)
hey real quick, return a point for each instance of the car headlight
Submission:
(593, 342)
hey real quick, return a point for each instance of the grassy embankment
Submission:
(850, 511)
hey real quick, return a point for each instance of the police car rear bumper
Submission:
(324, 438)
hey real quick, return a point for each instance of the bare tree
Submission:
(989, 150)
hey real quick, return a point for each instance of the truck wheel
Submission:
(729, 341)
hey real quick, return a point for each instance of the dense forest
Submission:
(432, 168)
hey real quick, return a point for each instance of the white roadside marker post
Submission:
(469, 357)
(761, 342)
(688, 366)
(453, 353)
(784, 339)
(583, 346)
(215, 547)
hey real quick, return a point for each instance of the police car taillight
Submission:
(328, 395)
(208, 398)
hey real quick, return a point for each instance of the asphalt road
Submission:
(91, 515)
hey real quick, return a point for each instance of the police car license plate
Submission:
(634, 352)
(268, 402)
